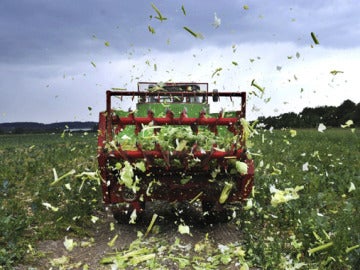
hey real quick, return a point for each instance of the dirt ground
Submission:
(165, 228)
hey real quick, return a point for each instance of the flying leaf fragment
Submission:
(249, 204)
(283, 196)
(305, 167)
(352, 187)
(68, 186)
(246, 7)
(69, 244)
(151, 29)
(257, 86)
(184, 229)
(217, 21)
(320, 248)
(241, 167)
(93, 64)
(159, 15)
(107, 43)
(347, 124)
(50, 207)
(314, 38)
(142, 258)
(225, 192)
(197, 35)
(141, 166)
(152, 222)
(297, 55)
(234, 63)
(216, 72)
(334, 72)
(60, 261)
(57, 179)
(321, 127)
(94, 219)
(88, 176)
(55, 175)
(349, 249)
(126, 175)
(111, 243)
(278, 68)
(233, 48)
(293, 132)
(133, 217)
(244, 266)
(183, 10)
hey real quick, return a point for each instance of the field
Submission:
(303, 213)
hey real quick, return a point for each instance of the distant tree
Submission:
(290, 120)
(345, 111)
(356, 115)
(328, 116)
(18, 130)
(311, 117)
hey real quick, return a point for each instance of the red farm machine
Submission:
(171, 148)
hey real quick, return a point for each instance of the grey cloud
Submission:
(45, 31)
(42, 40)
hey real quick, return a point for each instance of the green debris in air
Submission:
(314, 38)
(159, 16)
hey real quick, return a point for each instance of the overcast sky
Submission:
(57, 58)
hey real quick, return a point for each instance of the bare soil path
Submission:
(89, 251)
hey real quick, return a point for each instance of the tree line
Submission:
(34, 127)
(330, 116)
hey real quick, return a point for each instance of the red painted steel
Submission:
(170, 176)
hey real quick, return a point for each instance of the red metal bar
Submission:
(173, 121)
(102, 156)
(109, 94)
(136, 154)
(185, 94)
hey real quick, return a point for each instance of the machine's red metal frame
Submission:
(172, 190)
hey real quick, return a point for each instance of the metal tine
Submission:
(169, 114)
(146, 158)
(164, 154)
(202, 114)
(221, 114)
(121, 152)
(131, 114)
(183, 114)
(150, 114)
(205, 161)
(194, 128)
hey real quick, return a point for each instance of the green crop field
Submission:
(303, 213)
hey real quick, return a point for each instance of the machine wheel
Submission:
(123, 212)
(214, 212)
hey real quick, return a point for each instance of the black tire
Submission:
(122, 212)
(213, 212)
